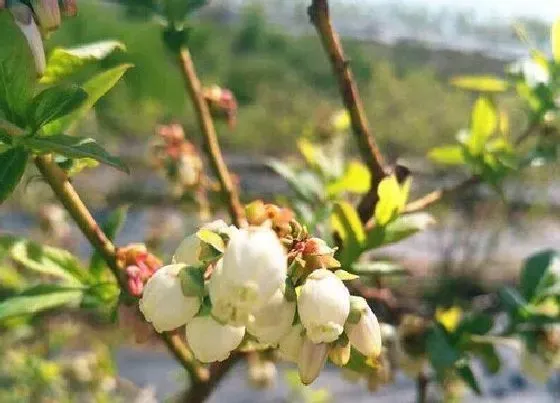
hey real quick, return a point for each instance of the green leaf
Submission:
(392, 198)
(401, 228)
(480, 83)
(465, 372)
(379, 269)
(534, 272)
(555, 40)
(447, 155)
(442, 354)
(74, 147)
(17, 71)
(478, 324)
(345, 276)
(54, 103)
(308, 190)
(512, 300)
(212, 245)
(96, 87)
(12, 167)
(356, 179)
(63, 63)
(484, 122)
(488, 354)
(111, 228)
(346, 222)
(192, 281)
(39, 299)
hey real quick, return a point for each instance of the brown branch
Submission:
(210, 138)
(65, 192)
(422, 388)
(320, 18)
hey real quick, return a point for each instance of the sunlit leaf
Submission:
(65, 62)
(356, 179)
(480, 83)
(447, 155)
(75, 147)
(390, 198)
(346, 222)
(39, 299)
(345, 276)
(555, 40)
(401, 228)
(484, 122)
(54, 103)
(341, 121)
(95, 87)
(12, 167)
(17, 71)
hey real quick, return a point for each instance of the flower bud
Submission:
(255, 212)
(68, 8)
(290, 345)
(163, 303)
(211, 341)
(340, 351)
(23, 17)
(312, 358)
(254, 267)
(47, 13)
(273, 320)
(365, 335)
(323, 306)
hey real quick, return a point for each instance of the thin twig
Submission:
(65, 192)
(422, 388)
(210, 138)
(320, 18)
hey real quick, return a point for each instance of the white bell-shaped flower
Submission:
(323, 306)
(312, 358)
(211, 341)
(290, 345)
(189, 249)
(533, 72)
(365, 336)
(273, 320)
(163, 303)
(254, 267)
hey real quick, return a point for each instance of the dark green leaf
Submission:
(17, 71)
(111, 228)
(54, 103)
(346, 222)
(96, 87)
(534, 271)
(38, 299)
(465, 372)
(512, 300)
(478, 324)
(192, 281)
(489, 356)
(12, 167)
(74, 147)
(443, 355)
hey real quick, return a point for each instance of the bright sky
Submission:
(545, 9)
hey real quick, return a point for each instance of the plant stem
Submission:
(320, 18)
(422, 388)
(210, 138)
(65, 192)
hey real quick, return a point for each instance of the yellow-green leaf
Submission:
(211, 238)
(341, 121)
(447, 155)
(390, 198)
(356, 179)
(345, 276)
(346, 222)
(308, 151)
(480, 83)
(484, 122)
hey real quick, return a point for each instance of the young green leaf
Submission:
(465, 372)
(555, 40)
(74, 147)
(443, 355)
(484, 122)
(12, 167)
(535, 270)
(63, 62)
(17, 71)
(111, 228)
(447, 155)
(356, 179)
(480, 83)
(345, 276)
(39, 299)
(96, 87)
(53, 103)
(346, 222)
(392, 197)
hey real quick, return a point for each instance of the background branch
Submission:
(320, 18)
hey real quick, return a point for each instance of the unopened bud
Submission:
(256, 213)
(211, 341)
(312, 358)
(290, 344)
(365, 335)
(68, 8)
(23, 17)
(340, 351)
(47, 13)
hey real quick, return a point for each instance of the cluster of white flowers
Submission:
(247, 292)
